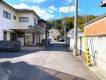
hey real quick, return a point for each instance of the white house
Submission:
(19, 24)
(70, 33)
(54, 34)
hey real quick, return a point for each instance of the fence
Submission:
(97, 48)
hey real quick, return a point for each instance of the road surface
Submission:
(52, 63)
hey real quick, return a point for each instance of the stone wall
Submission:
(10, 45)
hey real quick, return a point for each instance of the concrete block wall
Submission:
(97, 48)
(10, 45)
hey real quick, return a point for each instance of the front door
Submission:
(21, 38)
(13, 36)
(28, 39)
(5, 35)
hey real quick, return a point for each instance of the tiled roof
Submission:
(18, 10)
(26, 10)
(7, 5)
(96, 29)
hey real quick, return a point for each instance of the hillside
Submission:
(59, 23)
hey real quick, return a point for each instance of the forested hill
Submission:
(59, 24)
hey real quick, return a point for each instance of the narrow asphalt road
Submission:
(52, 63)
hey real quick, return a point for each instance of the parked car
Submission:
(62, 40)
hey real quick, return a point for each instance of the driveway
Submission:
(52, 63)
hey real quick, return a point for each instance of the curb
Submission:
(94, 69)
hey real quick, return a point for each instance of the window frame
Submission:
(14, 17)
(23, 19)
(6, 14)
(35, 20)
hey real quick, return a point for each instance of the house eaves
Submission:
(27, 10)
(41, 20)
(19, 10)
(7, 5)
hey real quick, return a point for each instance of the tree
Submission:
(58, 24)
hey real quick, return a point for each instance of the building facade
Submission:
(20, 24)
(95, 39)
(54, 34)
(95, 33)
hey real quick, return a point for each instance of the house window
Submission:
(6, 14)
(23, 19)
(13, 36)
(34, 20)
(14, 17)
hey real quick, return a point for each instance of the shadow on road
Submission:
(25, 71)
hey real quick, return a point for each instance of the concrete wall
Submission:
(1, 34)
(8, 36)
(42, 36)
(24, 25)
(96, 42)
(35, 19)
(6, 23)
(97, 47)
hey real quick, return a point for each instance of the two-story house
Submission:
(19, 24)
(43, 25)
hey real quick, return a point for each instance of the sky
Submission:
(55, 9)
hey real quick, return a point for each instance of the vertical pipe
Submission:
(46, 31)
(33, 34)
(65, 28)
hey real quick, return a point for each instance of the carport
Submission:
(29, 36)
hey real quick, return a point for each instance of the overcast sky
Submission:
(52, 9)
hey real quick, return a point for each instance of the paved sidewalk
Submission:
(56, 58)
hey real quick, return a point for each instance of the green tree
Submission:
(58, 24)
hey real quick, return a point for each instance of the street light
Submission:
(76, 27)
(64, 22)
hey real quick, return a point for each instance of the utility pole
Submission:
(65, 27)
(85, 18)
(76, 27)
